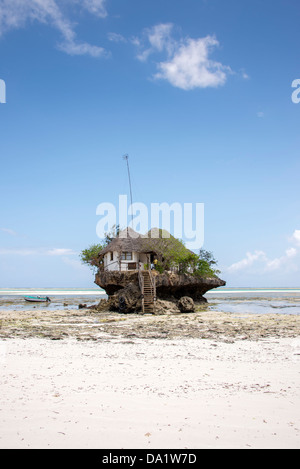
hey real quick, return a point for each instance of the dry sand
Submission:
(204, 380)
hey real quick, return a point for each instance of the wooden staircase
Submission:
(148, 291)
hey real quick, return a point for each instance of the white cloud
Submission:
(291, 252)
(8, 231)
(245, 75)
(115, 37)
(17, 252)
(59, 252)
(96, 7)
(247, 261)
(160, 37)
(17, 13)
(282, 261)
(296, 237)
(188, 64)
(191, 68)
(72, 48)
(37, 252)
(286, 262)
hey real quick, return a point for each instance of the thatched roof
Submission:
(156, 240)
(128, 240)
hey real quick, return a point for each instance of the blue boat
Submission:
(37, 299)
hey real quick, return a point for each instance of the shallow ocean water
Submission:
(227, 300)
(255, 301)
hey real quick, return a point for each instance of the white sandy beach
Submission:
(143, 393)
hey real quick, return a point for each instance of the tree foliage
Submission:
(173, 254)
(90, 256)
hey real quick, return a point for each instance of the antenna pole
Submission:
(126, 157)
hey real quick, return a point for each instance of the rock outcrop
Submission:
(126, 300)
(186, 304)
(125, 296)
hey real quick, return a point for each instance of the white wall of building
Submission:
(115, 265)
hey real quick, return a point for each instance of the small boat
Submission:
(37, 299)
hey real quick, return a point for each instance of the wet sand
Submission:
(81, 379)
(88, 324)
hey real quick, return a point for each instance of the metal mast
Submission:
(126, 158)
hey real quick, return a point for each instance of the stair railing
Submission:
(153, 288)
(141, 283)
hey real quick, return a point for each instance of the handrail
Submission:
(120, 263)
(153, 287)
(152, 279)
(141, 283)
(111, 263)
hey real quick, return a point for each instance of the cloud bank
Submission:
(260, 261)
(186, 64)
(16, 14)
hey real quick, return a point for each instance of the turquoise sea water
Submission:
(61, 298)
(232, 300)
(255, 300)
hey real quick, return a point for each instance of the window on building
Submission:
(111, 256)
(126, 256)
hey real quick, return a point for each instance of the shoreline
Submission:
(80, 379)
(20, 293)
(101, 292)
(92, 325)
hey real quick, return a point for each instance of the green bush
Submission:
(90, 256)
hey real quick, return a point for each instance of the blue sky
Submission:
(198, 93)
